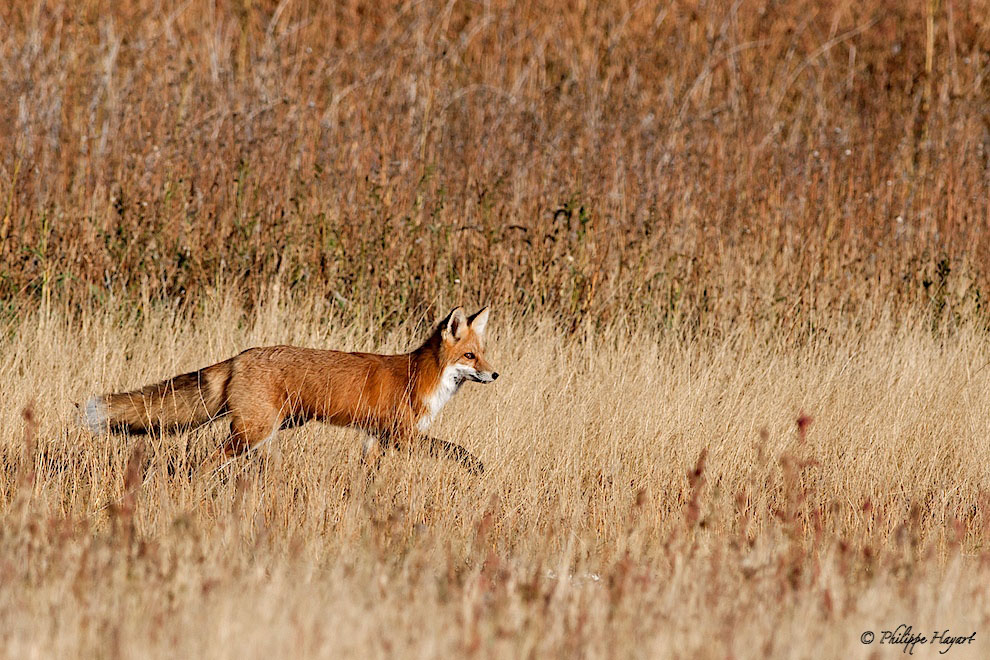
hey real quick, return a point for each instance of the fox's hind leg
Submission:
(245, 434)
(254, 431)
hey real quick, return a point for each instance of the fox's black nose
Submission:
(494, 375)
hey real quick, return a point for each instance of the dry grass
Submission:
(693, 160)
(646, 495)
(735, 252)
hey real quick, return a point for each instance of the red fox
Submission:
(393, 398)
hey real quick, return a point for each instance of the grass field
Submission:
(735, 255)
(645, 495)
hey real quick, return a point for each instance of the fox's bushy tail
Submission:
(192, 398)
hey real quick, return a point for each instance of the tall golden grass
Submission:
(700, 160)
(732, 495)
(735, 253)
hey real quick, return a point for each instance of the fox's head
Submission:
(462, 340)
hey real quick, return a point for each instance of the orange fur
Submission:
(392, 397)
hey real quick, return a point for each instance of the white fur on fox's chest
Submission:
(450, 381)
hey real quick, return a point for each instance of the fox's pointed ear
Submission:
(479, 320)
(455, 325)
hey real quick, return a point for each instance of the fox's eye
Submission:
(469, 356)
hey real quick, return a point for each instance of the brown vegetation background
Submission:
(736, 256)
(708, 161)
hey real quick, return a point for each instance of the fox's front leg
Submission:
(372, 447)
(450, 450)
(407, 436)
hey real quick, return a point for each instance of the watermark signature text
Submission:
(905, 637)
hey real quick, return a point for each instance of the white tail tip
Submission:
(94, 415)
